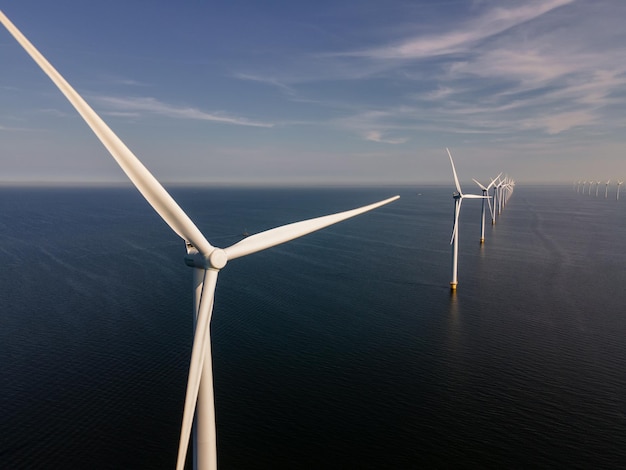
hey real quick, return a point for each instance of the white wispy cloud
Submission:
(377, 136)
(372, 125)
(527, 66)
(541, 71)
(266, 80)
(559, 122)
(493, 22)
(136, 106)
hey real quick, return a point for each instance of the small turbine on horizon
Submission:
(606, 189)
(619, 183)
(458, 199)
(206, 260)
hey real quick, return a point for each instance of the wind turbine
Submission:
(458, 198)
(504, 193)
(201, 255)
(500, 194)
(482, 216)
(606, 189)
(619, 183)
(495, 201)
(597, 187)
(511, 188)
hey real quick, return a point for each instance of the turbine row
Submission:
(502, 191)
(579, 186)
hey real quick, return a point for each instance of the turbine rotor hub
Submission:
(218, 258)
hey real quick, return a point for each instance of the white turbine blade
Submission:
(493, 181)
(457, 211)
(278, 235)
(479, 185)
(474, 196)
(143, 180)
(453, 232)
(201, 341)
(490, 209)
(456, 179)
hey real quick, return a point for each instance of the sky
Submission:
(324, 92)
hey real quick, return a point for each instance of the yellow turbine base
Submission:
(453, 285)
(482, 240)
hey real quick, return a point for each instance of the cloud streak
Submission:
(377, 136)
(135, 107)
(268, 81)
(493, 22)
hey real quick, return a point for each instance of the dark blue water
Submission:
(343, 349)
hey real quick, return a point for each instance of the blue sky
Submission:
(284, 92)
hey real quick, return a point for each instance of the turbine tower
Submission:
(619, 183)
(206, 260)
(458, 199)
(606, 189)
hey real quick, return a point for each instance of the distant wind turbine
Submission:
(201, 255)
(495, 202)
(606, 189)
(505, 192)
(508, 190)
(458, 199)
(597, 187)
(619, 183)
(500, 190)
(485, 190)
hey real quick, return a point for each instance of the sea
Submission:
(344, 349)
